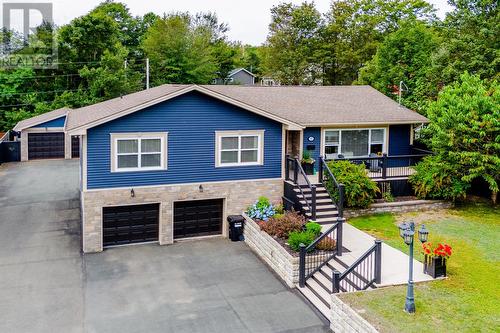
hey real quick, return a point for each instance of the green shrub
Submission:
(297, 237)
(281, 226)
(314, 227)
(360, 190)
(437, 180)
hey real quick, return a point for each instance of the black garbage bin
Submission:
(236, 223)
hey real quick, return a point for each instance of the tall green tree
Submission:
(464, 133)
(293, 44)
(355, 28)
(472, 35)
(179, 51)
(406, 55)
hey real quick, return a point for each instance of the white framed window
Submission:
(138, 151)
(354, 142)
(239, 148)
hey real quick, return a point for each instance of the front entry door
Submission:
(292, 144)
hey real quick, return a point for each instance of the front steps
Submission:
(326, 211)
(318, 288)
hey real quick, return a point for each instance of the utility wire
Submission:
(39, 92)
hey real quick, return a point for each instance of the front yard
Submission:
(468, 301)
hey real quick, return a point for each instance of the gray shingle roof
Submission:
(88, 114)
(311, 106)
(44, 117)
(323, 105)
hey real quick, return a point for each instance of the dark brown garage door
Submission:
(130, 224)
(197, 218)
(45, 145)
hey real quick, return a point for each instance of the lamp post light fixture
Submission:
(407, 232)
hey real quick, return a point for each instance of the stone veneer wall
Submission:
(269, 250)
(345, 320)
(237, 195)
(399, 207)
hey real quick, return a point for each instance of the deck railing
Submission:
(313, 256)
(362, 274)
(335, 189)
(294, 168)
(385, 167)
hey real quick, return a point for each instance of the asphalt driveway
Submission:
(46, 285)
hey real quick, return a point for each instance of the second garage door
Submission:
(130, 224)
(45, 145)
(197, 218)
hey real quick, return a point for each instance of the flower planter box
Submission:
(435, 267)
(308, 168)
(272, 252)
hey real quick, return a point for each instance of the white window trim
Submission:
(163, 136)
(339, 145)
(218, 144)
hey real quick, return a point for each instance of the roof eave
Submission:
(79, 130)
(20, 127)
(394, 122)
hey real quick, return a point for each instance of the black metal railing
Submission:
(335, 189)
(320, 252)
(295, 173)
(384, 167)
(362, 274)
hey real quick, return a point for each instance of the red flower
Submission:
(441, 250)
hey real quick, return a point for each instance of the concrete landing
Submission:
(395, 264)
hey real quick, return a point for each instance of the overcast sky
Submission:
(248, 19)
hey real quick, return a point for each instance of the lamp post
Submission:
(407, 232)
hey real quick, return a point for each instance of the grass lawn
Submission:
(468, 301)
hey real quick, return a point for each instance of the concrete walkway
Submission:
(394, 262)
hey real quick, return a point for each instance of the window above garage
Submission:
(138, 152)
(239, 148)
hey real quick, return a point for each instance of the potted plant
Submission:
(307, 162)
(435, 258)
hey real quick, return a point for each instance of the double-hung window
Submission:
(354, 142)
(138, 151)
(239, 148)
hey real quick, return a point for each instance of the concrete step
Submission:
(319, 291)
(324, 208)
(323, 280)
(318, 304)
(319, 201)
(326, 220)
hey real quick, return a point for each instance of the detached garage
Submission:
(44, 136)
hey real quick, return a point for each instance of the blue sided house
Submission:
(174, 161)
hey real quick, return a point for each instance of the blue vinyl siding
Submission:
(191, 121)
(399, 140)
(399, 144)
(316, 133)
(58, 122)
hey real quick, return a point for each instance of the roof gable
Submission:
(42, 118)
(96, 114)
(237, 70)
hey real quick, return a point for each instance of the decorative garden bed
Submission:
(275, 236)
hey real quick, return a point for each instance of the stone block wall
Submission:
(237, 196)
(345, 320)
(269, 250)
(399, 207)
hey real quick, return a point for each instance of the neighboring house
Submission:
(239, 76)
(44, 136)
(269, 82)
(174, 161)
